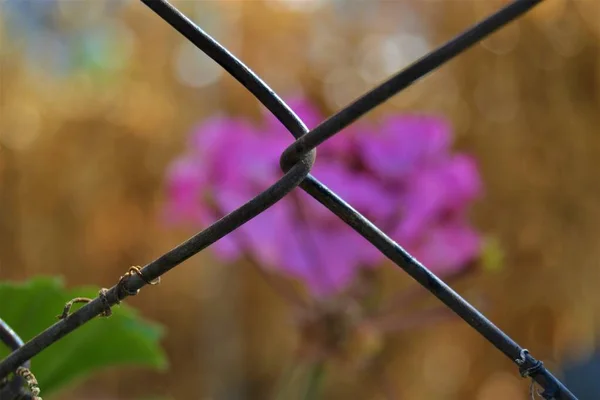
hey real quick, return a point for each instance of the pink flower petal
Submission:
(433, 192)
(402, 144)
(448, 248)
(364, 192)
(185, 179)
(399, 174)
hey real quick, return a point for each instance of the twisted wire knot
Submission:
(123, 291)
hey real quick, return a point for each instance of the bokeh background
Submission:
(94, 106)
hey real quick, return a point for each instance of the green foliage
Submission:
(122, 339)
(301, 381)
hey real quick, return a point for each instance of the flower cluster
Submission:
(400, 173)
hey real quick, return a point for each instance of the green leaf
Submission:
(122, 339)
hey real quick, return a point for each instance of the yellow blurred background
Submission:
(84, 147)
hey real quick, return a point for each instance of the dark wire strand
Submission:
(362, 225)
(297, 161)
(434, 285)
(230, 63)
(10, 338)
(13, 389)
(208, 236)
(402, 80)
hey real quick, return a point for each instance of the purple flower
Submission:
(399, 173)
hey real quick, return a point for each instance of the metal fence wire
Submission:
(296, 162)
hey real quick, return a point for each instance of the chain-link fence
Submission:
(296, 161)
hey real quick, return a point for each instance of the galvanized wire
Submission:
(296, 162)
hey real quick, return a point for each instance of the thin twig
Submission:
(69, 305)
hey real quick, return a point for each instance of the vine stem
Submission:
(316, 377)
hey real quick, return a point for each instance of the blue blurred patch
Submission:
(583, 378)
